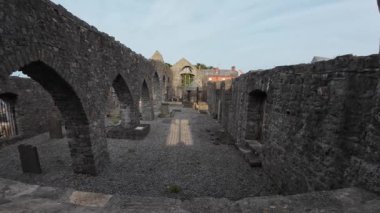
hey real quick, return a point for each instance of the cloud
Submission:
(248, 34)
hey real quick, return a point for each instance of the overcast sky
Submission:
(251, 34)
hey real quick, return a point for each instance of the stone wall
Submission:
(77, 65)
(319, 125)
(33, 106)
(166, 78)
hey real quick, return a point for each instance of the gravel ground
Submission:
(179, 158)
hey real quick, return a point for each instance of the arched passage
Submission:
(157, 94)
(8, 124)
(120, 105)
(255, 115)
(146, 108)
(70, 106)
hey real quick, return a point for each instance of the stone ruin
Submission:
(72, 66)
(310, 126)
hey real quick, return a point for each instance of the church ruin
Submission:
(309, 127)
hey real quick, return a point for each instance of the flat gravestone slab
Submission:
(89, 199)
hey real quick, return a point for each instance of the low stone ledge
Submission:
(134, 133)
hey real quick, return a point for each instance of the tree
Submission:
(201, 66)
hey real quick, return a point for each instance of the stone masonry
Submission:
(33, 106)
(77, 65)
(317, 125)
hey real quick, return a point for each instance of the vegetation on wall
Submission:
(201, 66)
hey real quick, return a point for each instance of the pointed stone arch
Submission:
(146, 106)
(121, 105)
(74, 116)
(157, 93)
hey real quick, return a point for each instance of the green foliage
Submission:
(201, 66)
(174, 189)
(169, 65)
(114, 117)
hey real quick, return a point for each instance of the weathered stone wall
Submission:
(147, 112)
(213, 98)
(76, 64)
(320, 122)
(33, 106)
(166, 77)
(225, 99)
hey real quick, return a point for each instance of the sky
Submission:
(250, 34)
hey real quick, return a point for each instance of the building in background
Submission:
(216, 74)
(189, 83)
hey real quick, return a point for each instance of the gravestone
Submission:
(30, 161)
(165, 109)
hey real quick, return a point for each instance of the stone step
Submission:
(249, 156)
(254, 145)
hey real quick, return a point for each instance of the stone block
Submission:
(134, 133)
(164, 109)
(89, 199)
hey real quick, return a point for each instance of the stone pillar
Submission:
(55, 125)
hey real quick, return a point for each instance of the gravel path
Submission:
(177, 159)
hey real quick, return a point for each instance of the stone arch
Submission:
(73, 114)
(157, 94)
(255, 115)
(8, 124)
(146, 108)
(120, 104)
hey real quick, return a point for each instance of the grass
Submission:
(174, 189)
